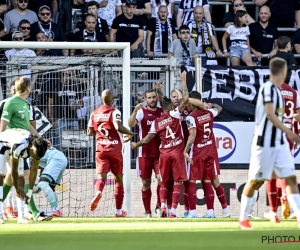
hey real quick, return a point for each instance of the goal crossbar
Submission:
(125, 82)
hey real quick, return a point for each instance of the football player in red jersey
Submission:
(168, 128)
(200, 152)
(148, 155)
(105, 124)
(276, 189)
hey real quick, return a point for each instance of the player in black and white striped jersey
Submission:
(186, 11)
(270, 153)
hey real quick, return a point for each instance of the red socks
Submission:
(157, 193)
(221, 196)
(272, 195)
(186, 195)
(176, 195)
(146, 195)
(209, 195)
(170, 194)
(99, 185)
(163, 193)
(119, 195)
(192, 196)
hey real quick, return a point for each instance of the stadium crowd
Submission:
(158, 27)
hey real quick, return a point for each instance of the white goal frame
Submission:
(126, 90)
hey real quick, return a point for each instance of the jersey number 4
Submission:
(169, 133)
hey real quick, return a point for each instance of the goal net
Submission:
(65, 90)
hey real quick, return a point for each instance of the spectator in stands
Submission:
(25, 27)
(3, 8)
(101, 25)
(184, 48)
(2, 29)
(35, 5)
(263, 35)
(284, 50)
(107, 9)
(229, 17)
(296, 41)
(41, 37)
(51, 30)
(13, 17)
(239, 40)
(18, 36)
(155, 4)
(186, 11)
(284, 13)
(71, 13)
(128, 28)
(143, 11)
(67, 98)
(203, 34)
(89, 33)
(160, 33)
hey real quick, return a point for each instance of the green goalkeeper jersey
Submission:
(16, 113)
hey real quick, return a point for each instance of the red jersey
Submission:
(169, 129)
(203, 121)
(291, 104)
(145, 118)
(107, 137)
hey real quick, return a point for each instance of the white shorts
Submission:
(264, 161)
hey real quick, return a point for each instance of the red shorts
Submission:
(217, 163)
(173, 165)
(109, 161)
(203, 168)
(145, 165)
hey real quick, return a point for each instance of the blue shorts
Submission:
(55, 169)
(237, 51)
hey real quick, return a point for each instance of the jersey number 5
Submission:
(169, 133)
(103, 131)
(207, 130)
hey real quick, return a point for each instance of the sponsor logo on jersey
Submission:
(107, 142)
(189, 123)
(287, 93)
(5, 113)
(164, 122)
(149, 122)
(102, 117)
(118, 117)
(201, 145)
(204, 118)
(173, 144)
(280, 112)
(225, 141)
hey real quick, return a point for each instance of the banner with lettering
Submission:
(235, 88)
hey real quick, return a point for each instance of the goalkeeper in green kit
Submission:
(16, 114)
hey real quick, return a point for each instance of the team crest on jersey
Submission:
(189, 123)
(185, 112)
(118, 117)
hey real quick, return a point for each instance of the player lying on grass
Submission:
(105, 124)
(53, 166)
(16, 144)
(201, 154)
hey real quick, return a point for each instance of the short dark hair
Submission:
(282, 42)
(238, 14)
(92, 3)
(40, 144)
(23, 21)
(184, 27)
(195, 95)
(277, 65)
(165, 105)
(149, 91)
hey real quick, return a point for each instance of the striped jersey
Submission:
(266, 134)
(187, 7)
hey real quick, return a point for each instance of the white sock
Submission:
(118, 211)
(163, 205)
(1, 192)
(294, 200)
(26, 210)
(1, 208)
(210, 212)
(14, 199)
(173, 211)
(245, 207)
(4, 205)
(193, 212)
(225, 210)
(254, 198)
(21, 206)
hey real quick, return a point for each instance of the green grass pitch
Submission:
(143, 234)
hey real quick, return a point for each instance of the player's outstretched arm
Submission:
(277, 123)
(160, 95)
(132, 118)
(91, 131)
(189, 144)
(217, 107)
(142, 142)
(185, 93)
(197, 103)
(125, 131)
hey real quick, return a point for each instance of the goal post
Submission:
(125, 83)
